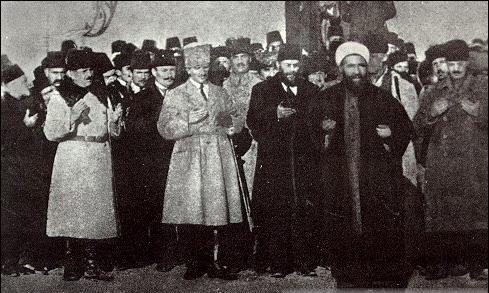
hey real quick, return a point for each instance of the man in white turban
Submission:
(362, 132)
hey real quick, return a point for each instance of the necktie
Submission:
(202, 91)
(290, 92)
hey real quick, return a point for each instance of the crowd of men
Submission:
(240, 157)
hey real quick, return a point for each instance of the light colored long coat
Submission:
(202, 185)
(81, 198)
(239, 89)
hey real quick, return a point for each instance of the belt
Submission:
(99, 139)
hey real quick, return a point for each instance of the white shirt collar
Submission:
(135, 88)
(122, 82)
(160, 86)
(197, 85)
(292, 88)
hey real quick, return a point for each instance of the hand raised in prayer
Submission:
(383, 131)
(439, 107)
(79, 108)
(472, 108)
(30, 121)
(328, 124)
(284, 112)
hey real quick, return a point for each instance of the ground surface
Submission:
(149, 280)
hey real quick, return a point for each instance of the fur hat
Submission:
(66, 45)
(122, 60)
(197, 56)
(289, 52)
(396, 57)
(129, 48)
(173, 42)
(161, 60)
(102, 62)
(241, 45)
(150, 46)
(117, 46)
(189, 40)
(77, 59)
(12, 72)
(274, 36)
(457, 50)
(54, 59)
(220, 51)
(435, 52)
(140, 60)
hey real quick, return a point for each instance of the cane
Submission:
(246, 199)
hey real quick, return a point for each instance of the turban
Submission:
(351, 48)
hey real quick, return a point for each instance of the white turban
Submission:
(351, 48)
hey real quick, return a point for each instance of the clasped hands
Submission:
(442, 105)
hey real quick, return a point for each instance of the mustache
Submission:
(457, 72)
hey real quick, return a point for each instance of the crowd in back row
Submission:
(284, 159)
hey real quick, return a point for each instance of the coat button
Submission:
(445, 118)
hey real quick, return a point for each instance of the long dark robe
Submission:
(368, 247)
(284, 198)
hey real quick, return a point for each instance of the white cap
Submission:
(351, 48)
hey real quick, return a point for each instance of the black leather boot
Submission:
(73, 269)
(93, 270)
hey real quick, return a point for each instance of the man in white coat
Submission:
(81, 199)
(202, 191)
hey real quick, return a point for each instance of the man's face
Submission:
(224, 62)
(81, 77)
(274, 46)
(164, 75)
(199, 73)
(290, 69)
(240, 63)
(401, 67)
(125, 73)
(457, 69)
(375, 63)
(354, 69)
(392, 49)
(54, 75)
(109, 76)
(440, 68)
(268, 72)
(140, 77)
(317, 78)
(18, 87)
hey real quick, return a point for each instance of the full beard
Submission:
(356, 87)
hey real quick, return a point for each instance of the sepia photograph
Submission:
(244, 146)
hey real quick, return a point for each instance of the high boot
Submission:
(73, 269)
(92, 268)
